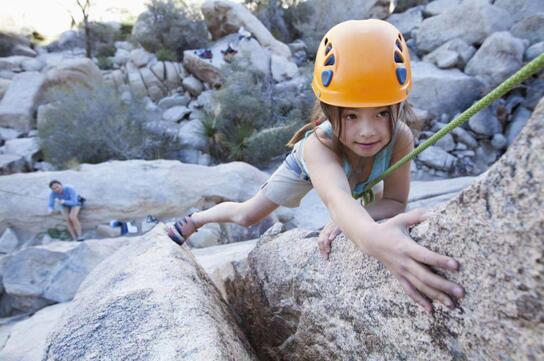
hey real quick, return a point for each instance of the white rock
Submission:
(24, 147)
(500, 56)
(193, 85)
(173, 100)
(519, 119)
(9, 241)
(283, 69)
(447, 143)
(32, 65)
(36, 328)
(176, 113)
(11, 163)
(499, 141)
(8, 133)
(437, 158)
(534, 50)
(225, 17)
(439, 6)
(462, 136)
(407, 21)
(121, 57)
(442, 91)
(485, 122)
(140, 57)
(20, 100)
(471, 21)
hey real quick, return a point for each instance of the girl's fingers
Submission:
(432, 293)
(412, 217)
(414, 294)
(425, 275)
(335, 233)
(428, 257)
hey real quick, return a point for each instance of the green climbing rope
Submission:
(533, 67)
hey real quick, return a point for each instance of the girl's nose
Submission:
(366, 130)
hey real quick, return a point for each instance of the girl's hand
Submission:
(411, 263)
(327, 235)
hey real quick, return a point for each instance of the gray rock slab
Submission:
(20, 100)
(27, 338)
(294, 305)
(500, 56)
(53, 272)
(471, 21)
(520, 9)
(148, 301)
(442, 91)
(126, 190)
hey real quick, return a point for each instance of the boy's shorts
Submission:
(285, 187)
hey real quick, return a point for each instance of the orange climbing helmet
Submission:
(362, 63)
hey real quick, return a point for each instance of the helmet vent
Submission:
(330, 60)
(326, 41)
(328, 49)
(398, 58)
(401, 75)
(399, 45)
(326, 77)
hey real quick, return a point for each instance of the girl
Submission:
(362, 77)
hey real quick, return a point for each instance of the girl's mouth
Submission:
(366, 146)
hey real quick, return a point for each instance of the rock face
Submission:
(125, 190)
(225, 17)
(148, 301)
(295, 306)
(20, 100)
(41, 275)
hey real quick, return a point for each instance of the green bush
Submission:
(104, 63)
(255, 118)
(166, 55)
(105, 50)
(94, 125)
(172, 25)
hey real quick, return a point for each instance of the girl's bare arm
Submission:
(389, 242)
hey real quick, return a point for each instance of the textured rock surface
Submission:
(36, 276)
(20, 100)
(125, 190)
(35, 328)
(225, 17)
(148, 301)
(295, 306)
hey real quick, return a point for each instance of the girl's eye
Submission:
(351, 116)
(384, 114)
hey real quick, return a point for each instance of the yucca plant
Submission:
(237, 139)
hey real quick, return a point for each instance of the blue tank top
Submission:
(382, 159)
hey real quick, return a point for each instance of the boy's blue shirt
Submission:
(69, 195)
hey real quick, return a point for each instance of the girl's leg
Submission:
(66, 214)
(74, 213)
(245, 213)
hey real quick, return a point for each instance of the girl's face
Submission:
(366, 131)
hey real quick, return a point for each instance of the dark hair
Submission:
(53, 182)
(323, 111)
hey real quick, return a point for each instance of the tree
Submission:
(85, 9)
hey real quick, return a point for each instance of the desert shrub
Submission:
(255, 118)
(95, 125)
(105, 50)
(104, 63)
(166, 55)
(276, 16)
(172, 25)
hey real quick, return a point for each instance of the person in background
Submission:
(67, 197)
